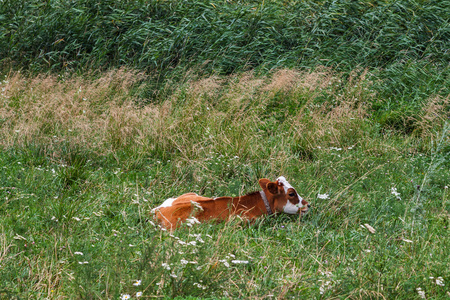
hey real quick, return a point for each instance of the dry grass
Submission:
(435, 111)
(4, 246)
(81, 111)
(287, 80)
(200, 116)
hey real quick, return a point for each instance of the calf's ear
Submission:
(263, 183)
(272, 187)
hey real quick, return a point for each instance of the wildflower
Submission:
(225, 263)
(78, 253)
(138, 294)
(322, 196)
(239, 261)
(421, 293)
(193, 243)
(440, 281)
(199, 286)
(191, 221)
(83, 262)
(165, 266)
(125, 297)
(137, 283)
(395, 193)
(76, 219)
(327, 273)
(173, 275)
(326, 285)
(184, 262)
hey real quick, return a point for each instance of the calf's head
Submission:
(283, 196)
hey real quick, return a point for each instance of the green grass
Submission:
(224, 35)
(83, 161)
(107, 108)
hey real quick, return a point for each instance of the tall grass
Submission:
(403, 43)
(223, 36)
(108, 113)
(83, 162)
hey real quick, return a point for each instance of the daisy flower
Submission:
(137, 283)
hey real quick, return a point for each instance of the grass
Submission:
(402, 43)
(108, 108)
(85, 158)
(224, 36)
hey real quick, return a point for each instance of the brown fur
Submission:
(203, 209)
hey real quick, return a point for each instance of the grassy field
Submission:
(83, 161)
(107, 108)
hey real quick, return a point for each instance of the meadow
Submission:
(83, 164)
(100, 124)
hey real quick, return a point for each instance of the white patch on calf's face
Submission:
(290, 208)
(287, 186)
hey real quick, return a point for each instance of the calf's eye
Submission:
(291, 194)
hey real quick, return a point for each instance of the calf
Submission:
(278, 196)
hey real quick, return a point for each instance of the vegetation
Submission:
(405, 42)
(107, 108)
(223, 36)
(82, 166)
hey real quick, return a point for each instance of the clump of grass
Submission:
(52, 109)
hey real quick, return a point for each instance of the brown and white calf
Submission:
(278, 196)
